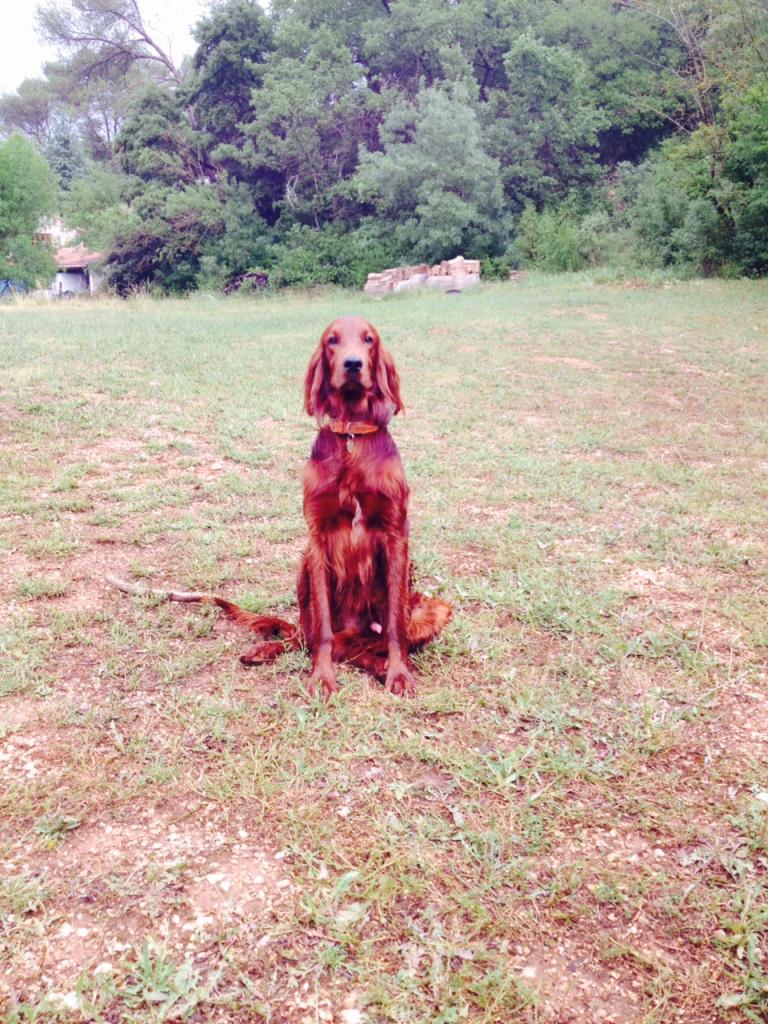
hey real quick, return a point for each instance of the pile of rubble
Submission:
(449, 276)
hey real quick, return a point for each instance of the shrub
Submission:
(746, 164)
(701, 203)
(164, 249)
(243, 244)
(549, 241)
(311, 256)
(495, 268)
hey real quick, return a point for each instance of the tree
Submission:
(724, 45)
(542, 126)
(631, 71)
(30, 110)
(64, 154)
(95, 206)
(27, 194)
(407, 43)
(244, 242)
(701, 202)
(167, 239)
(746, 165)
(434, 185)
(105, 34)
(313, 113)
(234, 43)
(308, 135)
(156, 143)
(73, 98)
(94, 103)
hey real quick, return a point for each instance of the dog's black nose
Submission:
(353, 365)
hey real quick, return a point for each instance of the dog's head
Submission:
(351, 373)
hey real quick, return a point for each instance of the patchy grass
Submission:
(570, 821)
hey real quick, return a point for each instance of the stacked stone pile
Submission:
(449, 276)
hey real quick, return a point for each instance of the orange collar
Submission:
(352, 428)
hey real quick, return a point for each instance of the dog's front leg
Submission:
(400, 679)
(320, 638)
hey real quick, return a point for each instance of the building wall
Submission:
(54, 231)
(73, 281)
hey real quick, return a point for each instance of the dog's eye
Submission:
(369, 339)
(333, 340)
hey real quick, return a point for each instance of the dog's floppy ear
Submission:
(388, 379)
(314, 382)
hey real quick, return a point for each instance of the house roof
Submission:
(73, 256)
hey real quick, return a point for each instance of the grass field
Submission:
(569, 823)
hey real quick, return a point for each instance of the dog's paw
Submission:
(400, 682)
(323, 681)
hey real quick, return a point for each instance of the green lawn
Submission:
(570, 821)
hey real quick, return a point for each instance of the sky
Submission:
(22, 55)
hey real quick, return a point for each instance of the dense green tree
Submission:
(310, 135)
(30, 110)
(722, 45)
(27, 194)
(313, 113)
(244, 241)
(433, 184)
(170, 230)
(542, 127)
(95, 205)
(233, 46)
(156, 142)
(64, 153)
(408, 47)
(746, 165)
(630, 67)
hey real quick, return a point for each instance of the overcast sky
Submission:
(22, 55)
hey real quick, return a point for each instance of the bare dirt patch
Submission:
(572, 986)
(183, 872)
(16, 713)
(739, 728)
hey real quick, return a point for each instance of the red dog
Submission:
(354, 588)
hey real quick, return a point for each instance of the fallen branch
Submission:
(265, 626)
(191, 597)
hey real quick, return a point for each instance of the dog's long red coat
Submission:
(354, 589)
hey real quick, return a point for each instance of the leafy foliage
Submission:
(30, 110)
(309, 256)
(555, 133)
(435, 185)
(64, 153)
(241, 241)
(155, 144)
(95, 203)
(745, 167)
(105, 33)
(27, 193)
(234, 44)
(543, 126)
(311, 116)
(165, 246)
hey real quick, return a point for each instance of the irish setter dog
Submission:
(354, 590)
